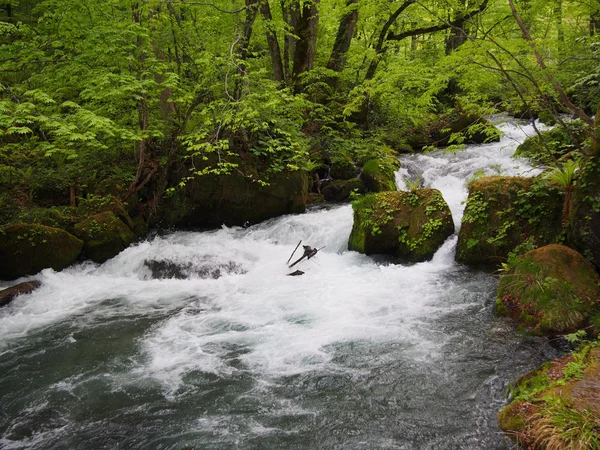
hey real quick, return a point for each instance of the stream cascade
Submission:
(199, 339)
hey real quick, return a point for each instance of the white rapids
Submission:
(234, 310)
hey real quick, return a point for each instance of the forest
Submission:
(124, 119)
(134, 99)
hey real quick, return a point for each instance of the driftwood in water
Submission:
(309, 252)
(295, 273)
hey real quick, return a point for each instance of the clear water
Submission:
(358, 353)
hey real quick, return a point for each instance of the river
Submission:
(358, 353)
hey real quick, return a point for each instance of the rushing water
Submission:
(199, 339)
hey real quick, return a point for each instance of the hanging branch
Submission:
(540, 61)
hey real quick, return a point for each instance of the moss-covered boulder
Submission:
(408, 225)
(551, 145)
(558, 405)
(28, 248)
(343, 169)
(503, 213)
(340, 190)
(552, 290)
(96, 204)
(378, 176)
(104, 235)
(234, 199)
(64, 217)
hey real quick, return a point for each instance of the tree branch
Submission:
(557, 87)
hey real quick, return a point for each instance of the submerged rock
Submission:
(28, 248)
(552, 290)
(104, 235)
(207, 268)
(9, 294)
(558, 405)
(504, 212)
(408, 225)
(378, 176)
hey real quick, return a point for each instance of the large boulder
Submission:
(343, 169)
(505, 212)
(552, 290)
(28, 248)
(9, 294)
(104, 235)
(378, 176)
(341, 190)
(234, 199)
(558, 405)
(97, 204)
(408, 225)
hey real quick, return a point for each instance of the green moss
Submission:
(378, 176)
(552, 406)
(551, 290)
(409, 225)
(94, 204)
(503, 213)
(28, 248)
(501, 309)
(63, 217)
(104, 235)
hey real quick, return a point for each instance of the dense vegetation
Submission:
(120, 114)
(133, 99)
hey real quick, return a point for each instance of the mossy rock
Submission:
(96, 204)
(553, 144)
(63, 217)
(409, 225)
(140, 228)
(505, 212)
(558, 405)
(378, 176)
(343, 169)
(28, 248)
(552, 290)
(340, 190)
(234, 199)
(104, 235)
(315, 199)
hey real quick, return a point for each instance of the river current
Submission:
(199, 339)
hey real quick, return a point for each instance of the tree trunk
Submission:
(306, 44)
(272, 42)
(143, 114)
(595, 23)
(343, 38)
